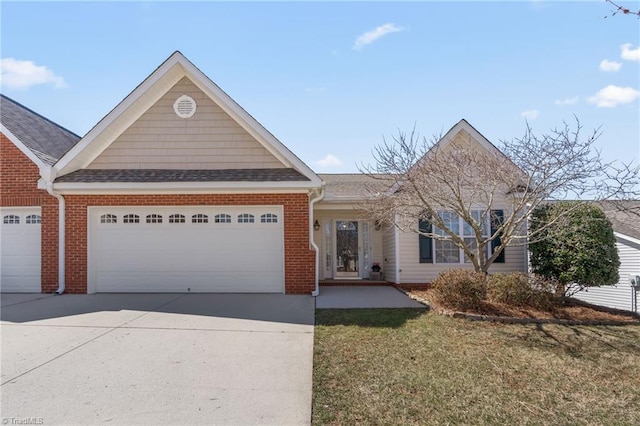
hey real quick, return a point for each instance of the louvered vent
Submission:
(184, 106)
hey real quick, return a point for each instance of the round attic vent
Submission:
(184, 106)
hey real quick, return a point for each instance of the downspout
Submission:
(61, 234)
(315, 247)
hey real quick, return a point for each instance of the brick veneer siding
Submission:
(298, 257)
(19, 188)
(18, 177)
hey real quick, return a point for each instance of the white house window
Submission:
(131, 218)
(468, 233)
(109, 218)
(445, 250)
(154, 218)
(199, 218)
(269, 218)
(176, 218)
(34, 219)
(246, 218)
(11, 219)
(222, 218)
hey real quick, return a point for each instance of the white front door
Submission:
(20, 259)
(351, 249)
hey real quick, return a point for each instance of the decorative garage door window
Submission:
(131, 218)
(176, 218)
(34, 218)
(200, 218)
(246, 218)
(269, 218)
(109, 218)
(11, 219)
(154, 218)
(223, 218)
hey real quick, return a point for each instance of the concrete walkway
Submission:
(363, 297)
(157, 359)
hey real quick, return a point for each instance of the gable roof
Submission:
(148, 93)
(45, 141)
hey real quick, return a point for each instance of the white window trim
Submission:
(461, 252)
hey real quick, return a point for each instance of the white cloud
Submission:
(371, 36)
(610, 66)
(531, 114)
(329, 161)
(16, 74)
(567, 101)
(628, 53)
(612, 96)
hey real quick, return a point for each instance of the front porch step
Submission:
(354, 283)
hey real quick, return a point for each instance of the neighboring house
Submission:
(626, 228)
(29, 146)
(178, 189)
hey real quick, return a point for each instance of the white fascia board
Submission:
(626, 237)
(100, 136)
(181, 187)
(247, 122)
(23, 148)
(322, 205)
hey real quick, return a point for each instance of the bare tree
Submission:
(623, 10)
(429, 183)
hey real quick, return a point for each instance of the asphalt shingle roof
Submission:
(352, 187)
(46, 139)
(624, 216)
(164, 175)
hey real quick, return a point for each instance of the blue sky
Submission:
(330, 79)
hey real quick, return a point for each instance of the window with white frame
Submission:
(246, 218)
(176, 218)
(11, 219)
(154, 218)
(131, 218)
(199, 218)
(222, 218)
(469, 234)
(445, 250)
(108, 218)
(268, 218)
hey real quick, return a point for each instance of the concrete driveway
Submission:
(157, 358)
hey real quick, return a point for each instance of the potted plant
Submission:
(375, 267)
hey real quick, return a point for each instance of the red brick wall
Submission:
(19, 188)
(299, 258)
(18, 177)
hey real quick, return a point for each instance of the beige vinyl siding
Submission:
(329, 216)
(618, 296)
(412, 271)
(210, 140)
(389, 250)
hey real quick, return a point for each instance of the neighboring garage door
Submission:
(20, 250)
(186, 249)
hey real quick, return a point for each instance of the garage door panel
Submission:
(20, 252)
(180, 257)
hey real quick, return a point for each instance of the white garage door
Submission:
(20, 250)
(186, 249)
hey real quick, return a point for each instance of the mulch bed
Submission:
(574, 311)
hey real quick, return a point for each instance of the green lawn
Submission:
(403, 366)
